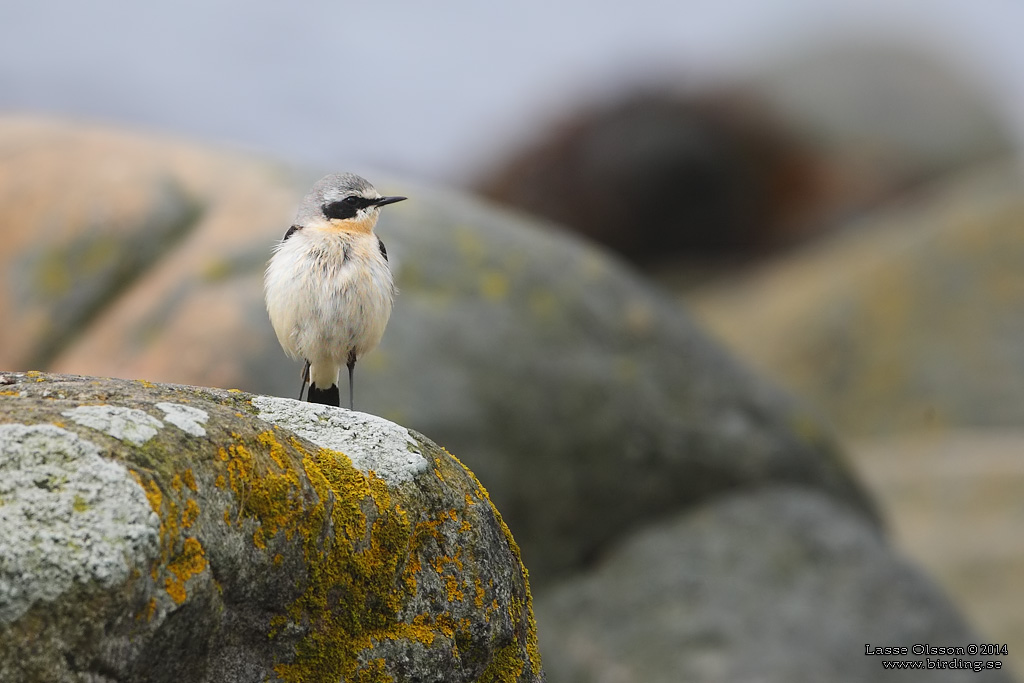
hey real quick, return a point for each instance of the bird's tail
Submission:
(330, 396)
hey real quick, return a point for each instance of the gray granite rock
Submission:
(171, 533)
(782, 585)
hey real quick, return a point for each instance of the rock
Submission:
(586, 401)
(171, 533)
(692, 182)
(778, 585)
(659, 174)
(911, 319)
(92, 217)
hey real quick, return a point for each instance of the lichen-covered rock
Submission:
(587, 401)
(171, 533)
(776, 586)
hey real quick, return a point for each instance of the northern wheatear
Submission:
(328, 286)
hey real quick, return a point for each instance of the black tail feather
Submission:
(330, 396)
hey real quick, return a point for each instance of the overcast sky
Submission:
(430, 88)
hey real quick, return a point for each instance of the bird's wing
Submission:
(290, 231)
(383, 249)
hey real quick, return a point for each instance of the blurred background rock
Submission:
(688, 182)
(833, 191)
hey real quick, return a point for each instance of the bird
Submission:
(328, 286)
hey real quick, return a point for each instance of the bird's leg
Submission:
(305, 379)
(351, 386)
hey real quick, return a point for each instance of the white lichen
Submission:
(371, 443)
(189, 419)
(68, 518)
(126, 424)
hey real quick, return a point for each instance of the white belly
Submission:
(329, 294)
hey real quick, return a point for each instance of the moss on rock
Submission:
(277, 558)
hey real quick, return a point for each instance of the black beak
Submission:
(388, 200)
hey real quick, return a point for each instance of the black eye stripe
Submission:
(339, 210)
(347, 207)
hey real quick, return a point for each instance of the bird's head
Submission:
(344, 200)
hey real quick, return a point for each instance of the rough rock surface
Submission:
(778, 585)
(170, 533)
(586, 401)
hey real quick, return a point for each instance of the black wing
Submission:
(383, 249)
(290, 231)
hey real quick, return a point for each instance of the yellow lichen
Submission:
(361, 553)
(453, 588)
(190, 562)
(494, 285)
(175, 589)
(272, 497)
(277, 451)
(478, 597)
(151, 490)
(374, 671)
(190, 515)
(365, 560)
(369, 577)
(175, 515)
(277, 622)
(506, 666)
(532, 648)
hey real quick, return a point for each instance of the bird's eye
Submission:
(340, 210)
(347, 207)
